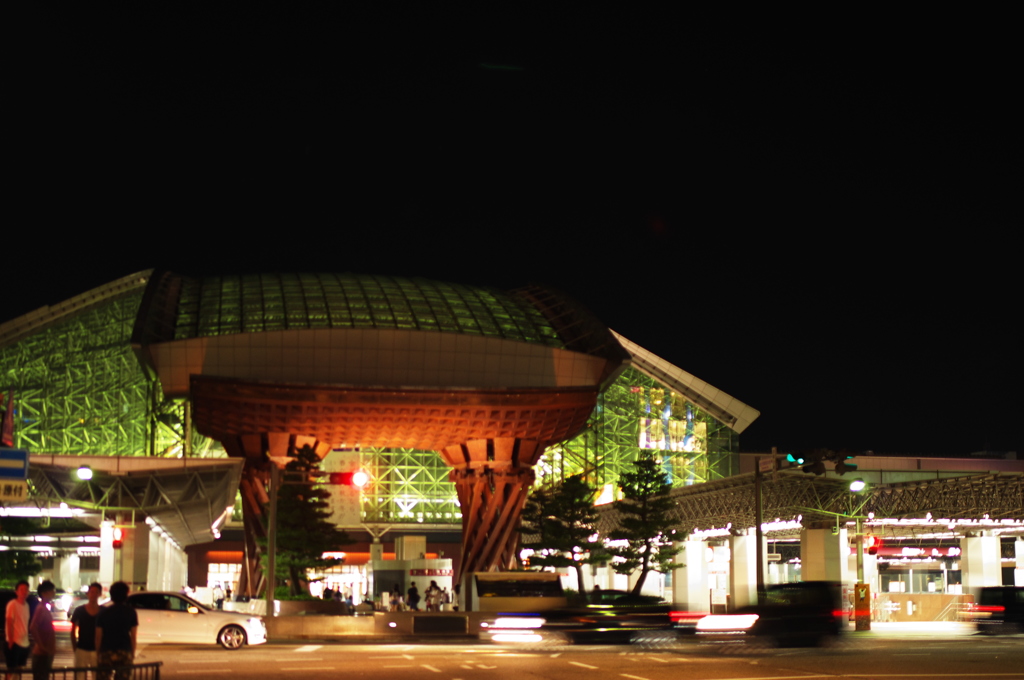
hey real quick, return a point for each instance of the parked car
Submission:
(999, 609)
(176, 618)
(793, 614)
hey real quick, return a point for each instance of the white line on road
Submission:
(206, 671)
(635, 677)
(398, 656)
(431, 668)
(308, 648)
(555, 656)
(408, 665)
(582, 665)
(203, 660)
(309, 668)
(657, 658)
(409, 657)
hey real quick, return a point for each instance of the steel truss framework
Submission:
(794, 494)
(185, 501)
(411, 485)
(611, 443)
(79, 389)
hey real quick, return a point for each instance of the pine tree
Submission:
(558, 523)
(644, 521)
(304, 528)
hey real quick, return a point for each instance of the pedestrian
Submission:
(394, 599)
(446, 599)
(16, 630)
(83, 630)
(43, 633)
(218, 596)
(413, 598)
(117, 628)
(227, 593)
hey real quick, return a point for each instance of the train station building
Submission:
(179, 394)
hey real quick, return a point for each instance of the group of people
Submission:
(437, 598)
(338, 595)
(101, 637)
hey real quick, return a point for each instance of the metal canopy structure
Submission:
(186, 498)
(793, 495)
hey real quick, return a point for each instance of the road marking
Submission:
(431, 668)
(399, 656)
(308, 648)
(655, 658)
(555, 656)
(204, 660)
(409, 657)
(635, 677)
(309, 668)
(405, 666)
(583, 665)
(206, 671)
(486, 667)
(466, 666)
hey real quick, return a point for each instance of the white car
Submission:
(173, 617)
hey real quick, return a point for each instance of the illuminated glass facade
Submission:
(252, 304)
(79, 389)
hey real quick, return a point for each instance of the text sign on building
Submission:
(13, 490)
(431, 572)
(13, 464)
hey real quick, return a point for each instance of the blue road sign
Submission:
(14, 464)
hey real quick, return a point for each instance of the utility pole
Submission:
(275, 484)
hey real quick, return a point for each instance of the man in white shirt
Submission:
(16, 630)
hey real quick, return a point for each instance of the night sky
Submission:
(818, 215)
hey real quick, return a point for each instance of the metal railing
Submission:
(139, 671)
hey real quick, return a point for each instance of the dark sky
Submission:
(819, 216)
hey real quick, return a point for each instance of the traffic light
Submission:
(872, 544)
(842, 467)
(356, 479)
(118, 537)
(813, 462)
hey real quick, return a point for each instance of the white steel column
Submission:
(107, 557)
(742, 572)
(824, 555)
(1018, 573)
(980, 561)
(690, 588)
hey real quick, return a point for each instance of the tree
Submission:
(558, 523)
(644, 523)
(304, 528)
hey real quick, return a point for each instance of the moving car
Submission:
(623, 620)
(1000, 609)
(793, 614)
(173, 617)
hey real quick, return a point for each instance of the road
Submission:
(875, 659)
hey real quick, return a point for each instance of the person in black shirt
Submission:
(83, 630)
(413, 599)
(117, 628)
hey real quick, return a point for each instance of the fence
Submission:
(139, 671)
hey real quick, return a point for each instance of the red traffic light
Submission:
(118, 537)
(872, 544)
(357, 479)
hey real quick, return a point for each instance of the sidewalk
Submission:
(916, 629)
